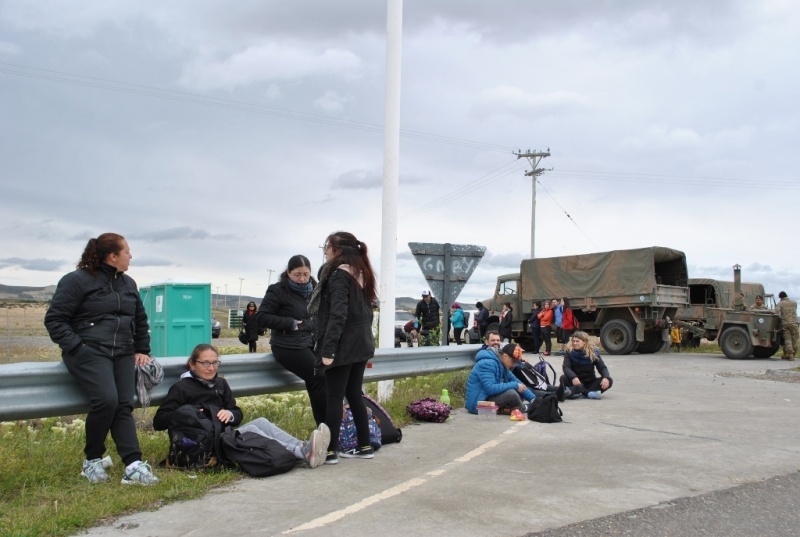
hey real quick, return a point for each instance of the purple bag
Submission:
(429, 409)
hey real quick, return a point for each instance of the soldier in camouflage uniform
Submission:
(759, 305)
(787, 310)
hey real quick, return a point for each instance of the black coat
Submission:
(533, 322)
(102, 310)
(428, 313)
(250, 324)
(279, 310)
(505, 324)
(344, 324)
(190, 391)
(577, 364)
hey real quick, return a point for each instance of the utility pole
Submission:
(269, 280)
(226, 296)
(534, 157)
(239, 304)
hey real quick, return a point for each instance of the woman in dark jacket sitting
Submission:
(98, 319)
(284, 311)
(201, 386)
(580, 361)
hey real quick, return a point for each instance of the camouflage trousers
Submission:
(791, 334)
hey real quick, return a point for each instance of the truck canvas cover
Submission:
(617, 273)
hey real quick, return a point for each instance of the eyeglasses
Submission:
(209, 365)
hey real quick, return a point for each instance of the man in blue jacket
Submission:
(491, 379)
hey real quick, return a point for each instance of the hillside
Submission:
(44, 294)
(36, 294)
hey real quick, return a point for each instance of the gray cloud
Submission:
(358, 180)
(43, 265)
(175, 234)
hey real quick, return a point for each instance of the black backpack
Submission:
(545, 409)
(256, 455)
(194, 437)
(389, 432)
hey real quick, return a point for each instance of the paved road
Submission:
(683, 445)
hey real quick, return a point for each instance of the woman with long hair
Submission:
(343, 303)
(97, 318)
(568, 325)
(284, 311)
(250, 323)
(581, 360)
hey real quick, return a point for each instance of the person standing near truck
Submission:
(568, 325)
(787, 311)
(545, 321)
(428, 315)
(482, 318)
(535, 327)
(506, 317)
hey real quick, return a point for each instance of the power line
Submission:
(566, 213)
(654, 179)
(476, 184)
(205, 100)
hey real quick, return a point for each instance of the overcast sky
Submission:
(221, 138)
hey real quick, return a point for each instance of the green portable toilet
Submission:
(179, 315)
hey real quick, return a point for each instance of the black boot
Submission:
(561, 392)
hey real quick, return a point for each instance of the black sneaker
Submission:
(358, 453)
(332, 458)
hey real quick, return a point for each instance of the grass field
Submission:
(42, 493)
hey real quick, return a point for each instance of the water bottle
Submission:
(445, 398)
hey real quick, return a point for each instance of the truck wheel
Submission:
(765, 352)
(652, 343)
(618, 337)
(735, 343)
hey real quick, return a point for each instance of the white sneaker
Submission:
(315, 450)
(95, 471)
(139, 473)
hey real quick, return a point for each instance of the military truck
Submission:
(707, 293)
(627, 297)
(741, 332)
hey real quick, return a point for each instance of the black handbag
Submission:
(243, 336)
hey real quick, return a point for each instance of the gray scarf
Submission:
(147, 376)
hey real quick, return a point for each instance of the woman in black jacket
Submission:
(97, 318)
(284, 311)
(536, 331)
(250, 323)
(343, 301)
(202, 387)
(506, 317)
(580, 362)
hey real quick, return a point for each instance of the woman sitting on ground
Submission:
(580, 361)
(202, 386)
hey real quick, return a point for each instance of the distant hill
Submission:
(37, 294)
(44, 294)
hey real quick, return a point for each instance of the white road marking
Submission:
(401, 488)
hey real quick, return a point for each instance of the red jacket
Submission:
(568, 320)
(545, 317)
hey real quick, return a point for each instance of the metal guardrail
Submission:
(44, 389)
